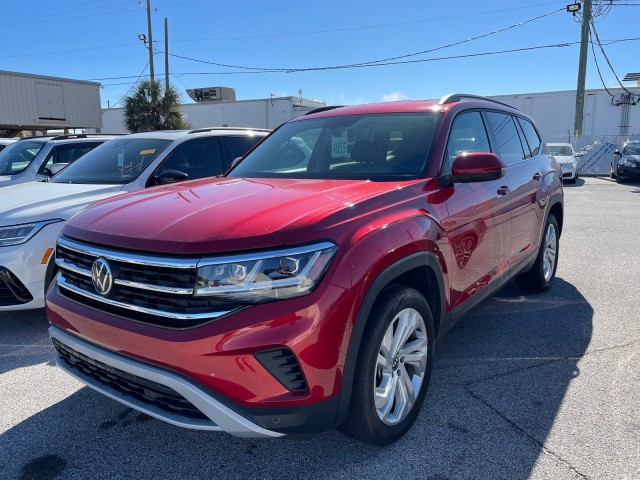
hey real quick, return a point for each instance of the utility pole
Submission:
(582, 67)
(166, 54)
(151, 75)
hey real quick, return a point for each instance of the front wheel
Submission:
(394, 367)
(543, 272)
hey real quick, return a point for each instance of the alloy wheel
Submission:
(550, 251)
(400, 367)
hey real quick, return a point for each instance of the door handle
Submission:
(537, 176)
(502, 191)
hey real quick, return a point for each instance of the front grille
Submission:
(146, 288)
(12, 290)
(141, 389)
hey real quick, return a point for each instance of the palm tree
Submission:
(153, 108)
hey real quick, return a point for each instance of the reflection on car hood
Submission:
(635, 158)
(212, 215)
(34, 201)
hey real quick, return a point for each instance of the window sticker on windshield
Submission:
(148, 151)
(121, 159)
(339, 144)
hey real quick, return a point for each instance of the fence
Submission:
(595, 153)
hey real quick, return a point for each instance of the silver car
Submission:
(566, 157)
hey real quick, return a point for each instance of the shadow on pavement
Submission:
(24, 340)
(498, 383)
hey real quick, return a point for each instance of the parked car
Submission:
(626, 163)
(6, 141)
(298, 292)
(566, 157)
(32, 214)
(38, 158)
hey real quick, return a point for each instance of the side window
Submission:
(238, 146)
(468, 134)
(66, 154)
(533, 139)
(507, 138)
(197, 158)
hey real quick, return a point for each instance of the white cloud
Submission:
(393, 96)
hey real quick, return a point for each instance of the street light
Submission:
(143, 37)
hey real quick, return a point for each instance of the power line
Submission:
(366, 27)
(380, 61)
(595, 59)
(454, 57)
(604, 54)
(132, 85)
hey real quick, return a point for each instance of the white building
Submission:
(260, 113)
(40, 103)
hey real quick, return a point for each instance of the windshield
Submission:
(561, 150)
(369, 147)
(17, 156)
(116, 161)
(631, 149)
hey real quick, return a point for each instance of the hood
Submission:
(633, 158)
(212, 215)
(34, 201)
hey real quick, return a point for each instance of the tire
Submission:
(619, 179)
(543, 272)
(573, 180)
(383, 418)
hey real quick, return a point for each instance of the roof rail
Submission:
(457, 97)
(246, 129)
(323, 109)
(83, 135)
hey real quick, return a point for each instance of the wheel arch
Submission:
(419, 270)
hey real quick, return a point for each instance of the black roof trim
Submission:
(457, 97)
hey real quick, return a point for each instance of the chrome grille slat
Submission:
(140, 259)
(94, 296)
(160, 293)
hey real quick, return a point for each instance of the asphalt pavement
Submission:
(540, 386)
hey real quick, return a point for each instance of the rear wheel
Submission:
(394, 367)
(543, 272)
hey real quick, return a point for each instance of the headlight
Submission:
(16, 234)
(256, 278)
(629, 163)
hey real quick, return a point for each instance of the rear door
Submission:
(198, 158)
(479, 223)
(525, 180)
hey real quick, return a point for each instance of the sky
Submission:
(98, 40)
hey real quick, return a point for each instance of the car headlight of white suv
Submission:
(17, 234)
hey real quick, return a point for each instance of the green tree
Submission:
(151, 107)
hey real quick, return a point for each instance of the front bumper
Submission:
(628, 172)
(24, 261)
(569, 172)
(122, 378)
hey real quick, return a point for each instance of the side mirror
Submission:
(235, 162)
(169, 176)
(476, 167)
(55, 168)
(617, 152)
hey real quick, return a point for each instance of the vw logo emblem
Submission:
(101, 276)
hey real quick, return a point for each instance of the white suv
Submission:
(38, 158)
(32, 214)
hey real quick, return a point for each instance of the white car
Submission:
(32, 214)
(566, 157)
(6, 141)
(38, 158)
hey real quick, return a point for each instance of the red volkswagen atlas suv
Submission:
(305, 289)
